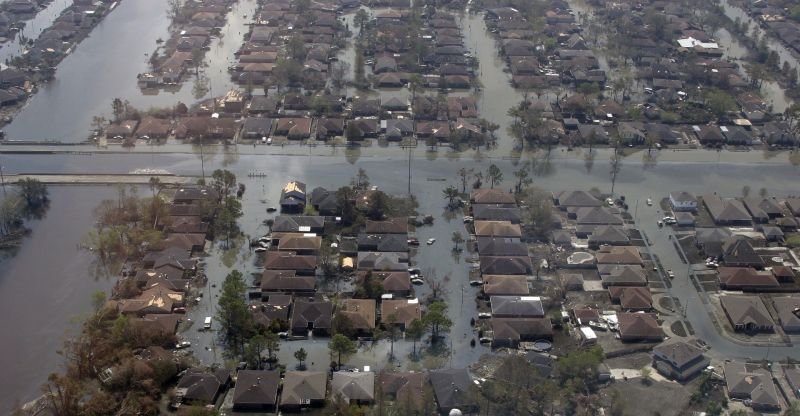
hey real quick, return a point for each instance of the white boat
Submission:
(649, 202)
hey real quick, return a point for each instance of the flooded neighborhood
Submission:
(344, 207)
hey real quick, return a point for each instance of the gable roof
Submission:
(639, 326)
(609, 234)
(753, 382)
(597, 215)
(678, 353)
(506, 265)
(517, 306)
(632, 297)
(737, 251)
(404, 310)
(286, 281)
(397, 225)
(505, 285)
(618, 255)
(287, 260)
(403, 386)
(360, 313)
(318, 313)
(297, 223)
(202, 386)
(576, 199)
(489, 246)
(726, 210)
(745, 277)
(517, 329)
(491, 196)
(497, 229)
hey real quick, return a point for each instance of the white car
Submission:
(260, 249)
(484, 315)
(475, 283)
(183, 344)
(417, 281)
(431, 241)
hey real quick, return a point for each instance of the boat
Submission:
(649, 202)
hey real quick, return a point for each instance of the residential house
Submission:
(492, 196)
(199, 387)
(452, 389)
(287, 260)
(300, 244)
(404, 387)
(275, 310)
(313, 316)
(354, 387)
(256, 127)
(491, 212)
(738, 252)
(619, 255)
(679, 360)
(383, 261)
(745, 279)
(293, 197)
(622, 275)
(751, 382)
(503, 285)
(302, 389)
(711, 240)
(397, 225)
(286, 281)
(747, 313)
(608, 235)
(382, 242)
(639, 327)
(402, 311)
(298, 223)
(505, 265)
(360, 313)
(727, 211)
(329, 127)
(294, 128)
(788, 309)
(517, 307)
(683, 201)
(495, 246)
(575, 199)
(256, 390)
(497, 229)
(509, 332)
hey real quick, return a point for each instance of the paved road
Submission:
(696, 311)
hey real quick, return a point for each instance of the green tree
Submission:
(538, 211)
(415, 331)
(436, 320)
(223, 181)
(494, 175)
(253, 351)
(225, 223)
(378, 205)
(361, 17)
(361, 180)
(464, 174)
(118, 109)
(522, 176)
(234, 317)
(272, 344)
(341, 347)
(301, 355)
(719, 102)
(450, 193)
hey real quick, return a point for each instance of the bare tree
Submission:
(438, 286)
(615, 167)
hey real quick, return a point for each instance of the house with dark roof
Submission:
(492, 196)
(397, 225)
(506, 265)
(679, 360)
(751, 382)
(286, 281)
(382, 242)
(597, 216)
(453, 390)
(288, 260)
(494, 246)
(397, 283)
(404, 387)
(788, 310)
(639, 327)
(792, 375)
(298, 224)
(325, 201)
(711, 240)
(505, 285)
(738, 252)
(727, 211)
(497, 229)
(613, 235)
(314, 316)
(509, 332)
(354, 388)
(745, 279)
(493, 212)
(256, 390)
(517, 307)
(746, 313)
(575, 199)
(302, 389)
(631, 298)
(202, 387)
(683, 201)
(274, 309)
(619, 255)
(382, 261)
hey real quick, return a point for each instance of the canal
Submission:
(33, 28)
(105, 66)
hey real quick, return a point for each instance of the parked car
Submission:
(484, 315)
(413, 241)
(183, 344)
(431, 241)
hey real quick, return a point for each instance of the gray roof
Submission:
(299, 386)
(517, 306)
(293, 223)
(383, 242)
(577, 199)
(256, 388)
(746, 310)
(786, 306)
(384, 261)
(679, 353)
(489, 246)
(452, 388)
(752, 382)
(726, 210)
(597, 215)
(683, 196)
(737, 251)
(609, 234)
(505, 265)
(496, 213)
(354, 386)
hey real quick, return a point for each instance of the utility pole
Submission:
(2, 180)
(202, 161)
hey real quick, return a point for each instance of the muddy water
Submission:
(785, 54)
(105, 66)
(47, 283)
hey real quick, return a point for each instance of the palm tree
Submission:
(451, 193)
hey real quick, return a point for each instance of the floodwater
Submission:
(785, 54)
(33, 28)
(105, 66)
(43, 286)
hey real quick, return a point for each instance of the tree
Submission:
(361, 17)
(361, 180)
(495, 175)
(225, 223)
(295, 48)
(223, 181)
(272, 344)
(763, 192)
(538, 211)
(33, 192)
(719, 102)
(450, 193)
(155, 185)
(341, 347)
(378, 205)
(63, 394)
(745, 191)
(118, 109)
(457, 239)
(391, 332)
(301, 356)
(234, 317)
(464, 174)
(414, 82)
(436, 320)
(415, 331)
(252, 352)
(198, 60)
(522, 176)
